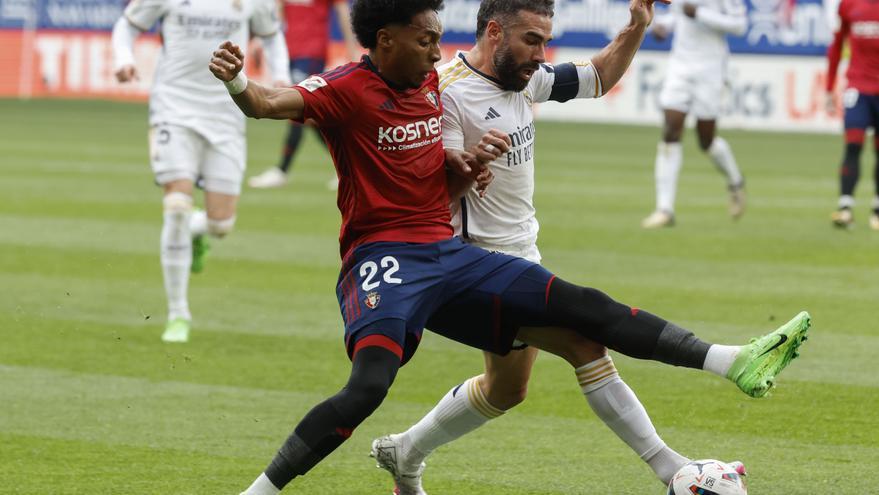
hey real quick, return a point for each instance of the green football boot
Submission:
(177, 330)
(200, 249)
(759, 362)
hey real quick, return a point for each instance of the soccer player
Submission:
(195, 131)
(694, 85)
(483, 89)
(859, 23)
(308, 40)
(403, 271)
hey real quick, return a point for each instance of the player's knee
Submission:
(705, 142)
(505, 395)
(583, 351)
(366, 395)
(178, 207)
(221, 228)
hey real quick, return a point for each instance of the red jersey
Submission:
(859, 22)
(308, 27)
(387, 147)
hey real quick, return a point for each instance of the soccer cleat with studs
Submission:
(843, 218)
(176, 331)
(737, 200)
(386, 452)
(658, 219)
(759, 363)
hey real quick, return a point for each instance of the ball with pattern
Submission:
(707, 477)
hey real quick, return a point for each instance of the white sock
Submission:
(669, 158)
(462, 410)
(720, 358)
(722, 156)
(846, 201)
(615, 403)
(198, 222)
(176, 253)
(261, 486)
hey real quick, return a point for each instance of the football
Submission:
(709, 477)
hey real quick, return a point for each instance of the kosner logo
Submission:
(410, 132)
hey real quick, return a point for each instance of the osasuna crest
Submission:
(372, 300)
(432, 97)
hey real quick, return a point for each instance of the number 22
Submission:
(370, 270)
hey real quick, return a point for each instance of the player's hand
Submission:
(830, 103)
(465, 164)
(127, 73)
(227, 61)
(690, 10)
(492, 146)
(483, 179)
(641, 11)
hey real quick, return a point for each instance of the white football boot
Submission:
(843, 218)
(270, 179)
(658, 219)
(737, 200)
(387, 453)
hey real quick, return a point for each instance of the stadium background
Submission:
(776, 79)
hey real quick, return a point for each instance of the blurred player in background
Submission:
(484, 89)
(196, 132)
(859, 23)
(308, 42)
(694, 84)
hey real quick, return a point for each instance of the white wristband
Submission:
(238, 85)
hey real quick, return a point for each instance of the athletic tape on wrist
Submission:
(238, 85)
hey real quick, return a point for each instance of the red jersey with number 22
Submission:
(387, 147)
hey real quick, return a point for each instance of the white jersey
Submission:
(184, 91)
(473, 103)
(700, 43)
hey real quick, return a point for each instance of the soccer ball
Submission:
(708, 477)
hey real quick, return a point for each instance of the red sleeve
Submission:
(834, 51)
(325, 102)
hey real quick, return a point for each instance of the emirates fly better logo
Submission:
(410, 136)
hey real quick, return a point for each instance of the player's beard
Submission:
(508, 71)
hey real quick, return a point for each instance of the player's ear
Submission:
(384, 38)
(494, 31)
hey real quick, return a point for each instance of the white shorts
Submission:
(178, 152)
(527, 250)
(693, 92)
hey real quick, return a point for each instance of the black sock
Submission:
(332, 421)
(631, 331)
(850, 170)
(294, 137)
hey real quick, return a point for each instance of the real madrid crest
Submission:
(372, 300)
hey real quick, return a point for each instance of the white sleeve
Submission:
(453, 131)
(279, 61)
(144, 13)
(732, 19)
(264, 22)
(563, 82)
(124, 34)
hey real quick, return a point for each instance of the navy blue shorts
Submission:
(390, 291)
(861, 110)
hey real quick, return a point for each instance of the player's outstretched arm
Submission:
(613, 61)
(252, 98)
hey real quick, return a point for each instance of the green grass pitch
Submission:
(91, 402)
